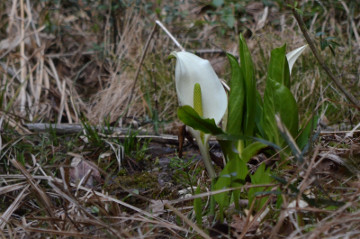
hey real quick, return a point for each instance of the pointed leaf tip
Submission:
(293, 56)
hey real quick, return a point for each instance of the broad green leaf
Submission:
(242, 171)
(261, 176)
(247, 70)
(191, 118)
(268, 121)
(259, 114)
(278, 80)
(285, 104)
(279, 99)
(278, 67)
(236, 98)
(251, 150)
(224, 181)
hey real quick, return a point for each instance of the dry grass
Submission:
(75, 61)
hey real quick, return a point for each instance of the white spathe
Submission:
(293, 56)
(191, 69)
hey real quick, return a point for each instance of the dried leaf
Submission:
(80, 168)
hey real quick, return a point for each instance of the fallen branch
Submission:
(110, 132)
(75, 128)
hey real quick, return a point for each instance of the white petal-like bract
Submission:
(191, 69)
(293, 55)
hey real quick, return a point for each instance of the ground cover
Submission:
(89, 129)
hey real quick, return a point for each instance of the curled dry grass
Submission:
(60, 61)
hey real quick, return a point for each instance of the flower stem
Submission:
(204, 150)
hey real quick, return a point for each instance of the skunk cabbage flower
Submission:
(293, 55)
(191, 69)
(198, 86)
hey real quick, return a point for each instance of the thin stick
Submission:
(138, 69)
(322, 63)
(170, 35)
(22, 59)
(187, 221)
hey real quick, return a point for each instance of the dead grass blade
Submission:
(15, 205)
(12, 187)
(57, 232)
(84, 210)
(38, 191)
(62, 102)
(352, 23)
(187, 221)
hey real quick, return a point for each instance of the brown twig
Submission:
(322, 63)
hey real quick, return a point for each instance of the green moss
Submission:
(141, 180)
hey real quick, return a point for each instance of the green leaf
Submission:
(232, 175)
(239, 180)
(247, 70)
(268, 121)
(304, 137)
(198, 208)
(279, 99)
(268, 143)
(284, 101)
(261, 176)
(278, 67)
(259, 114)
(229, 150)
(223, 199)
(251, 150)
(285, 104)
(236, 98)
(191, 118)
